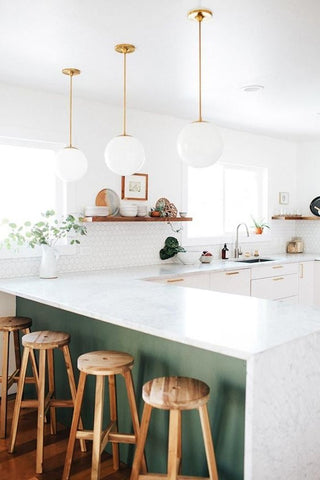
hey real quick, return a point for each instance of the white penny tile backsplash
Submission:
(110, 245)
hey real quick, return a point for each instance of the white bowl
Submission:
(97, 211)
(129, 211)
(188, 258)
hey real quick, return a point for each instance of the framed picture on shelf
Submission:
(283, 198)
(134, 187)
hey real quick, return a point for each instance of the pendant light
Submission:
(71, 162)
(199, 143)
(124, 154)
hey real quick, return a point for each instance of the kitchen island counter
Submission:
(275, 349)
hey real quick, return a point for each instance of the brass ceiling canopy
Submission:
(199, 14)
(125, 48)
(71, 71)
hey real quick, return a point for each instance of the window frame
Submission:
(227, 236)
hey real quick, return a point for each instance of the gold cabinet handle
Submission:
(275, 279)
(301, 270)
(277, 266)
(232, 273)
(172, 280)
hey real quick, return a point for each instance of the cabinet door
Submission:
(233, 281)
(306, 283)
(275, 288)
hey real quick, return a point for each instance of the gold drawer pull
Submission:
(172, 280)
(277, 278)
(277, 266)
(232, 273)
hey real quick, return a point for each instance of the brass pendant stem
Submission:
(70, 113)
(125, 94)
(200, 77)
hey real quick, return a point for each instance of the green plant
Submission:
(259, 223)
(171, 248)
(44, 232)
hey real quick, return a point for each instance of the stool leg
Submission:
(17, 353)
(114, 418)
(97, 428)
(179, 442)
(141, 442)
(41, 400)
(134, 412)
(17, 404)
(33, 363)
(173, 447)
(74, 426)
(208, 443)
(4, 385)
(51, 385)
(73, 389)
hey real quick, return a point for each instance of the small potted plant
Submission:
(44, 233)
(259, 225)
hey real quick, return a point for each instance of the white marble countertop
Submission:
(233, 325)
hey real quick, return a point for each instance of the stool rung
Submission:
(105, 435)
(61, 403)
(29, 404)
(161, 476)
(84, 434)
(122, 437)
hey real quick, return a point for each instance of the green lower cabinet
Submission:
(155, 357)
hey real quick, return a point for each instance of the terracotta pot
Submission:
(259, 230)
(155, 214)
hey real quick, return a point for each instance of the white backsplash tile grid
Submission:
(110, 245)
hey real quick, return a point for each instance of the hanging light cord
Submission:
(70, 115)
(125, 93)
(199, 19)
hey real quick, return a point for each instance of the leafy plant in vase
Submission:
(259, 225)
(45, 233)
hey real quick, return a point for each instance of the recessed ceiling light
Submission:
(252, 88)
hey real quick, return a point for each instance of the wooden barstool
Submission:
(103, 364)
(45, 342)
(12, 325)
(175, 394)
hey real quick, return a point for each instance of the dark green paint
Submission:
(157, 357)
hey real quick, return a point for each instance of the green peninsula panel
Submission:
(155, 357)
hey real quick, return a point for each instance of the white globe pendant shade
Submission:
(71, 164)
(199, 144)
(124, 155)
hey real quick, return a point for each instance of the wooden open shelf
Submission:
(137, 219)
(293, 217)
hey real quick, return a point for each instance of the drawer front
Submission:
(201, 281)
(233, 281)
(274, 288)
(279, 269)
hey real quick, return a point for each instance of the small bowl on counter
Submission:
(188, 258)
(206, 257)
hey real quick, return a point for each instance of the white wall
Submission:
(42, 116)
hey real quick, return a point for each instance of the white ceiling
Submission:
(275, 43)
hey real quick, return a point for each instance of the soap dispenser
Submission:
(224, 252)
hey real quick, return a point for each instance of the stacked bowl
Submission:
(129, 210)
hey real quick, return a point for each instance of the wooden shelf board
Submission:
(137, 219)
(293, 217)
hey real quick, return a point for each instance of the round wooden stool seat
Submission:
(45, 340)
(180, 393)
(10, 324)
(105, 362)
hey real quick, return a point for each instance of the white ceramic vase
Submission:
(48, 265)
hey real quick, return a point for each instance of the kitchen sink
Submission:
(255, 260)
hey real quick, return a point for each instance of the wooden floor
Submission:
(21, 464)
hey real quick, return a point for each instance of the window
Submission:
(28, 184)
(222, 196)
